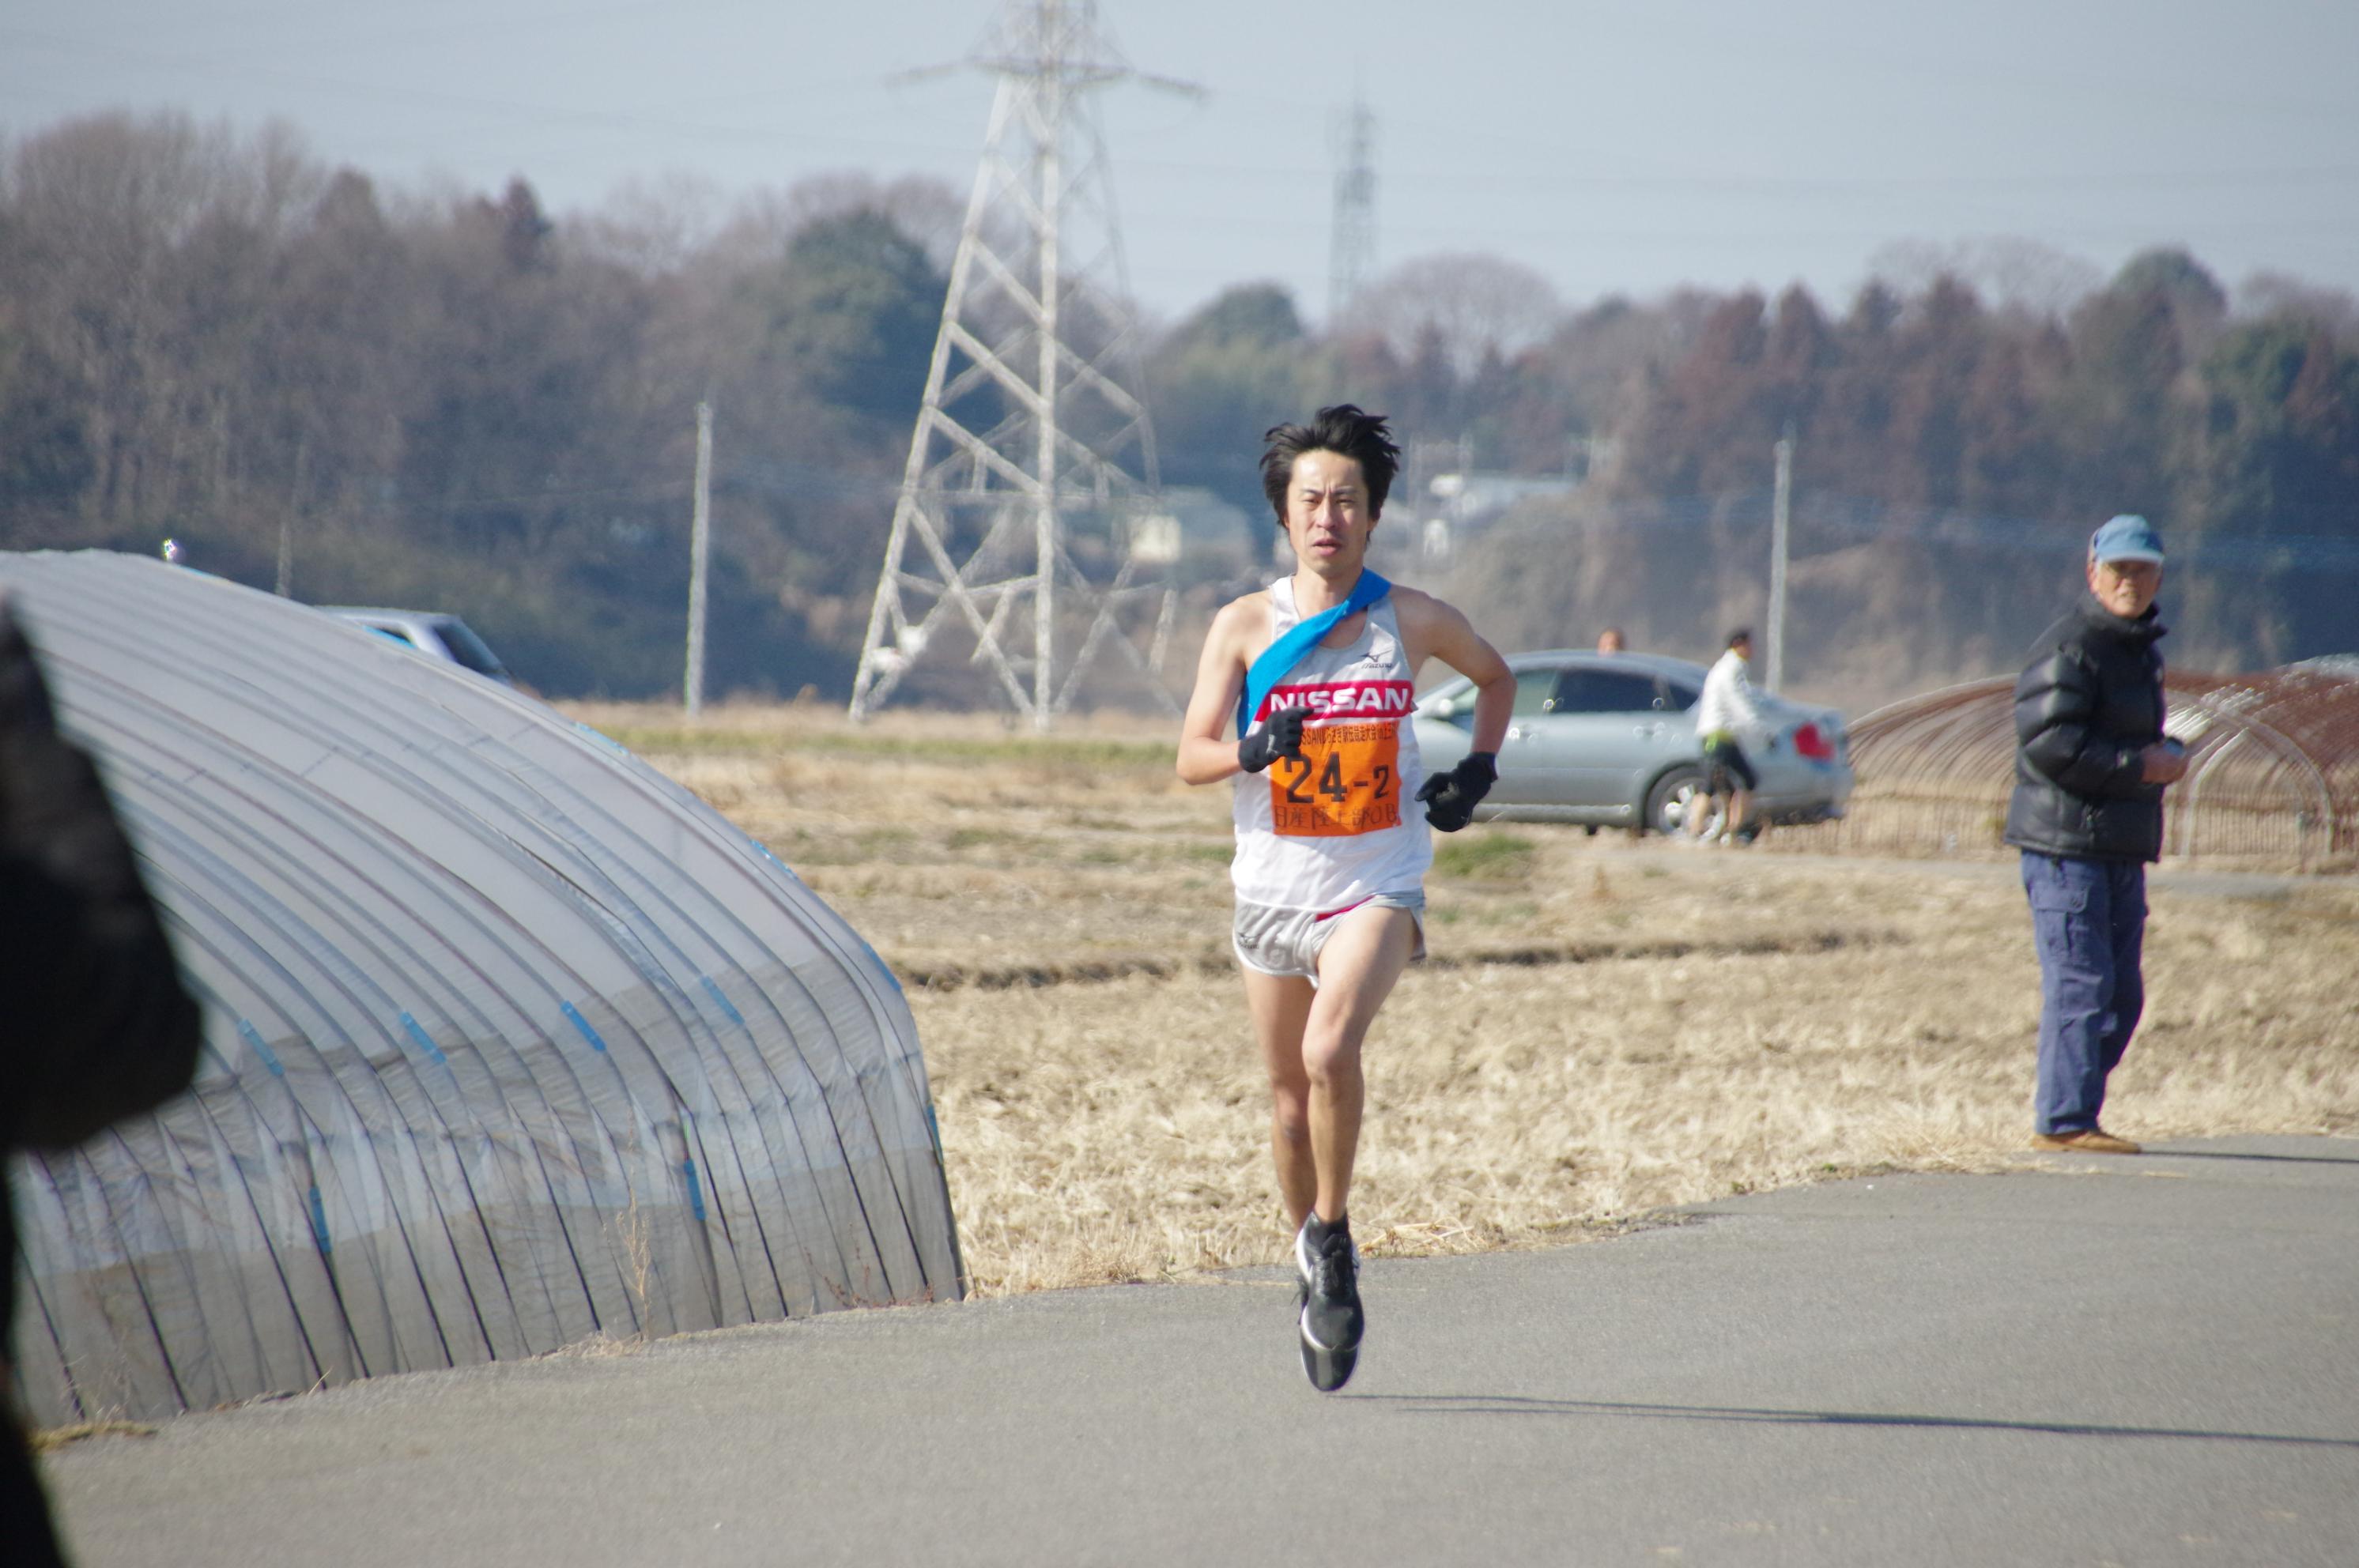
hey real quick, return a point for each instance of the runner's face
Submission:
(1327, 516)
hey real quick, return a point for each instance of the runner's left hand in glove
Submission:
(1451, 798)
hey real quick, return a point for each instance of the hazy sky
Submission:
(1620, 147)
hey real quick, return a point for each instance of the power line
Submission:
(1857, 519)
(511, 109)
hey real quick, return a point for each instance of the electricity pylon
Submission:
(1033, 453)
(1351, 233)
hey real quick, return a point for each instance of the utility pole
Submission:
(1781, 506)
(287, 521)
(1044, 519)
(1033, 448)
(700, 556)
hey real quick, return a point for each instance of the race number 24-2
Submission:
(1346, 782)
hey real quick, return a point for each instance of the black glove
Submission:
(1279, 736)
(1451, 798)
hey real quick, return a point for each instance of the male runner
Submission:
(1332, 844)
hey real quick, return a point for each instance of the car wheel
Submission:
(1673, 800)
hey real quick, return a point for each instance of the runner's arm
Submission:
(1442, 631)
(1204, 757)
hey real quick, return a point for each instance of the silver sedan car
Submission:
(1609, 741)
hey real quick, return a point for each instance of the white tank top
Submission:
(1324, 834)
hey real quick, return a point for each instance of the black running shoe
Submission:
(1328, 1369)
(1328, 1318)
(1306, 1255)
(1332, 1318)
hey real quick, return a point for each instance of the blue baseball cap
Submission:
(2127, 537)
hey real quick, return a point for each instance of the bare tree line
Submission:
(451, 398)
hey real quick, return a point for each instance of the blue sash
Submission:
(1278, 661)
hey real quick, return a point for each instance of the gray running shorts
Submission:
(1287, 941)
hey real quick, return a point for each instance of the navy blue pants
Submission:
(2089, 917)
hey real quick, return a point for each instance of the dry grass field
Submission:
(1605, 1028)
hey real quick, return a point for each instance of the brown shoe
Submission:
(2095, 1140)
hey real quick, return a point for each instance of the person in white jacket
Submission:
(1728, 717)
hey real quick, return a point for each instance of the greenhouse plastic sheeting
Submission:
(510, 1042)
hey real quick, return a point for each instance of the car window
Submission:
(1458, 694)
(1605, 691)
(468, 649)
(1533, 690)
(1683, 693)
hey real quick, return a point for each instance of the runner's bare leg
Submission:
(1357, 969)
(1281, 1005)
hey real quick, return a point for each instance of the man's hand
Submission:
(1451, 798)
(2163, 762)
(1281, 736)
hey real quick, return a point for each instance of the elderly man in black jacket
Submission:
(2090, 762)
(98, 1024)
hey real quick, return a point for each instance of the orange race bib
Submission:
(1347, 781)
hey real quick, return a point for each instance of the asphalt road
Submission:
(2132, 1361)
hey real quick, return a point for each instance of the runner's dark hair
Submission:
(1742, 635)
(1344, 429)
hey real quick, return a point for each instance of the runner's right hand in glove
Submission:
(1281, 736)
(1451, 798)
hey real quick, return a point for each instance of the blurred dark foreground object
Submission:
(98, 1025)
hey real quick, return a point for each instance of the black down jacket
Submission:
(97, 1024)
(2086, 705)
